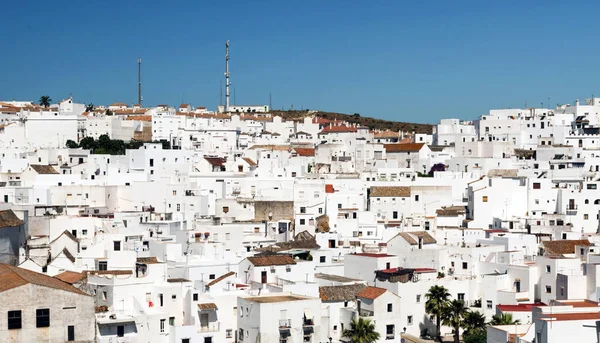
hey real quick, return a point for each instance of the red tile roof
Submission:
(271, 260)
(404, 147)
(371, 293)
(573, 316)
(519, 308)
(216, 161)
(70, 277)
(562, 247)
(329, 189)
(579, 303)
(250, 161)
(338, 128)
(373, 255)
(13, 277)
(305, 151)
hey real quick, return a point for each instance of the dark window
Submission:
(395, 214)
(389, 307)
(195, 297)
(211, 276)
(302, 221)
(103, 265)
(117, 245)
(185, 340)
(14, 320)
(172, 321)
(42, 318)
(465, 265)
(322, 259)
(70, 333)
(537, 185)
(120, 331)
(416, 197)
(303, 210)
(151, 162)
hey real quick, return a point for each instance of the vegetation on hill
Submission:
(356, 118)
(105, 145)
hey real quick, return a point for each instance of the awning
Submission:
(308, 314)
(207, 306)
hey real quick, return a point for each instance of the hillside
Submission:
(372, 123)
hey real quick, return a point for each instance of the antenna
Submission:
(227, 77)
(270, 101)
(221, 93)
(140, 81)
(233, 95)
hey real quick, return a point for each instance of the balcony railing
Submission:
(211, 327)
(285, 323)
(389, 336)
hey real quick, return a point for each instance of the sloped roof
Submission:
(386, 134)
(340, 293)
(403, 147)
(371, 292)
(43, 169)
(390, 191)
(338, 128)
(176, 280)
(9, 219)
(270, 147)
(207, 306)
(70, 277)
(216, 161)
(147, 260)
(250, 161)
(68, 255)
(13, 277)
(271, 260)
(451, 211)
(564, 246)
(503, 173)
(413, 237)
(305, 151)
(118, 104)
(220, 278)
(303, 240)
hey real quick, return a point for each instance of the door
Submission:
(204, 320)
(70, 333)
(263, 277)
(120, 331)
(571, 204)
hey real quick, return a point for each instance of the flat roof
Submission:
(337, 278)
(276, 299)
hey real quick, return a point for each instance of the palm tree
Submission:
(361, 331)
(437, 297)
(504, 319)
(473, 321)
(45, 101)
(453, 315)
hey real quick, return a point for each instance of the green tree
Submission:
(437, 298)
(89, 107)
(361, 331)
(475, 336)
(108, 113)
(504, 319)
(474, 321)
(87, 143)
(45, 101)
(72, 144)
(453, 315)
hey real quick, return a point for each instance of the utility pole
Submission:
(270, 102)
(140, 81)
(227, 77)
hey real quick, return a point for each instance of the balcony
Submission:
(572, 210)
(389, 336)
(210, 327)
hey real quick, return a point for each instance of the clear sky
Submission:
(401, 60)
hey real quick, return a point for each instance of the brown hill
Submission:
(372, 123)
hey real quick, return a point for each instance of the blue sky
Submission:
(399, 60)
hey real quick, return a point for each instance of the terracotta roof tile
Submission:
(207, 306)
(337, 128)
(109, 272)
(250, 161)
(12, 277)
(305, 151)
(386, 134)
(413, 237)
(503, 173)
(147, 260)
(43, 169)
(9, 219)
(176, 280)
(220, 278)
(271, 260)
(365, 254)
(371, 292)
(329, 188)
(70, 277)
(216, 161)
(563, 247)
(390, 191)
(574, 316)
(403, 147)
(340, 293)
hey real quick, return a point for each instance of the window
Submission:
(585, 216)
(465, 265)
(416, 197)
(195, 297)
(102, 265)
(151, 162)
(345, 304)
(241, 335)
(185, 340)
(162, 325)
(548, 289)
(484, 198)
(536, 185)
(418, 298)
(389, 331)
(548, 269)
(302, 210)
(84, 232)
(389, 307)
(225, 209)
(70, 333)
(104, 295)
(211, 277)
(320, 210)
(42, 318)
(591, 186)
(302, 221)
(395, 215)
(322, 259)
(117, 245)
(489, 304)
(172, 321)
(461, 296)
(173, 296)
(14, 320)
(120, 331)
(409, 320)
